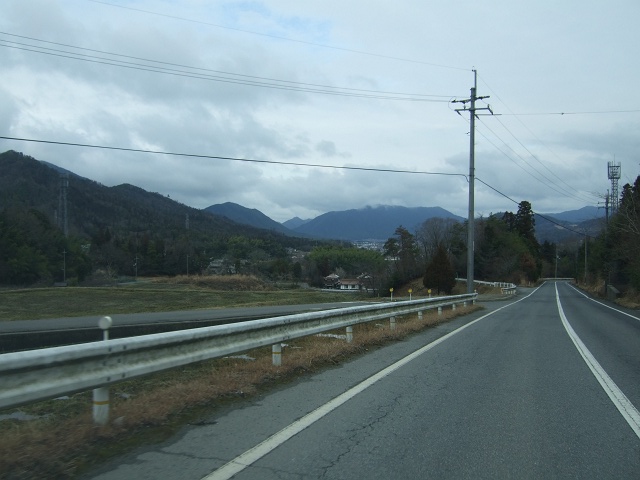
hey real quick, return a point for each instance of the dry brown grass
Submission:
(217, 282)
(631, 299)
(65, 441)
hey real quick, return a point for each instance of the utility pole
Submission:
(470, 221)
(63, 221)
(586, 242)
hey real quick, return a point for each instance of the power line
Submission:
(277, 37)
(541, 163)
(277, 162)
(153, 69)
(537, 214)
(552, 185)
(516, 163)
(236, 159)
(196, 72)
(581, 196)
(594, 112)
(541, 142)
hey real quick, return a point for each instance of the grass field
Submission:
(155, 295)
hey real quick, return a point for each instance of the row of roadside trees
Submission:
(33, 250)
(506, 250)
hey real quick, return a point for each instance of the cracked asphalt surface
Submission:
(507, 397)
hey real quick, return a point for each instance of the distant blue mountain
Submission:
(379, 223)
(370, 223)
(295, 222)
(577, 216)
(247, 216)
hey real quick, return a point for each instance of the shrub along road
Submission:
(542, 386)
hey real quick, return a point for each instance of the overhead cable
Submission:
(224, 80)
(550, 183)
(203, 73)
(594, 112)
(236, 159)
(276, 162)
(537, 214)
(277, 37)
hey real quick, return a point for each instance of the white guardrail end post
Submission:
(276, 354)
(349, 334)
(101, 395)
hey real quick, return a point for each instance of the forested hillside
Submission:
(121, 230)
(126, 231)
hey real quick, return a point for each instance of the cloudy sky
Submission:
(304, 87)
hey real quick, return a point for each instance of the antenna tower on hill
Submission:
(614, 176)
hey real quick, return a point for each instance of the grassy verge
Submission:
(62, 440)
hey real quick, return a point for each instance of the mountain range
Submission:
(370, 223)
(92, 207)
(380, 222)
(27, 182)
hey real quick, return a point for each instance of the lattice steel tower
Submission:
(614, 176)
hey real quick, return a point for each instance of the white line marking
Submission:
(254, 454)
(619, 399)
(604, 304)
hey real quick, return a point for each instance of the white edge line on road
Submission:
(604, 304)
(254, 454)
(619, 399)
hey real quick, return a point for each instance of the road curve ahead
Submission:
(545, 386)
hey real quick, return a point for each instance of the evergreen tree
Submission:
(439, 274)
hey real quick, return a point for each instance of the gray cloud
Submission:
(540, 58)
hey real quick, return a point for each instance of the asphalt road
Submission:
(543, 386)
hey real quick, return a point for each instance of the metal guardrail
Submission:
(506, 287)
(35, 375)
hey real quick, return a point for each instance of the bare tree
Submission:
(436, 232)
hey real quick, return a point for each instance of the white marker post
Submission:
(101, 395)
(276, 354)
(349, 334)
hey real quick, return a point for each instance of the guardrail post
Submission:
(276, 354)
(439, 310)
(349, 334)
(420, 315)
(392, 323)
(101, 395)
(453, 307)
(464, 304)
